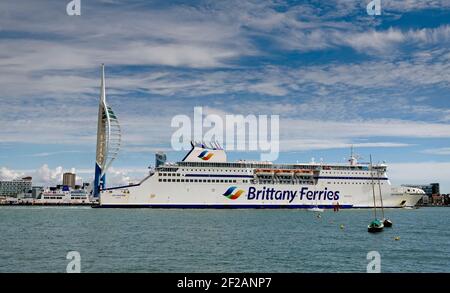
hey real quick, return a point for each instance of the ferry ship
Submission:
(63, 197)
(205, 179)
(51, 197)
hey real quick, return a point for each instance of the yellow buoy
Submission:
(397, 238)
(342, 226)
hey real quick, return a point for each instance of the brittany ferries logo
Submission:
(205, 155)
(233, 193)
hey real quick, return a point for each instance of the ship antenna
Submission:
(353, 158)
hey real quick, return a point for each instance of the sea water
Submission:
(38, 239)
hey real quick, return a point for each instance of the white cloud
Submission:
(61, 58)
(437, 35)
(307, 144)
(146, 149)
(8, 174)
(421, 173)
(42, 175)
(364, 129)
(268, 88)
(174, 36)
(380, 41)
(412, 5)
(145, 125)
(46, 176)
(48, 154)
(438, 151)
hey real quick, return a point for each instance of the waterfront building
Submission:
(69, 179)
(446, 199)
(438, 199)
(36, 191)
(12, 188)
(429, 189)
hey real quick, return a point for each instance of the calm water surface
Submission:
(37, 239)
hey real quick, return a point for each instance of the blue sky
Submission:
(335, 75)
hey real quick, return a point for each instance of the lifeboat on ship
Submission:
(284, 173)
(264, 172)
(303, 172)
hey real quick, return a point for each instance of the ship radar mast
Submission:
(353, 158)
(108, 138)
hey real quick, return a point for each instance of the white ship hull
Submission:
(330, 192)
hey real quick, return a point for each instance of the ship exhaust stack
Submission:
(160, 159)
(108, 139)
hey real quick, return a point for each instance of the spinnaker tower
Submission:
(108, 139)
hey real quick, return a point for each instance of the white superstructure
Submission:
(204, 179)
(52, 197)
(70, 197)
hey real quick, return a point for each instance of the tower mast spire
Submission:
(108, 138)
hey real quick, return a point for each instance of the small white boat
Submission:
(316, 209)
(409, 208)
(387, 223)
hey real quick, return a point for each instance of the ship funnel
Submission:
(108, 138)
(160, 159)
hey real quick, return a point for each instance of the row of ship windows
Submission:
(60, 197)
(309, 182)
(206, 170)
(245, 171)
(217, 170)
(281, 182)
(270, 177)
(259, 182)
(169, 174)
(356, 183)
(348, 173)
(202, 180)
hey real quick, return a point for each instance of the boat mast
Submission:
(381, 196)
(353, 157)
(373, 188)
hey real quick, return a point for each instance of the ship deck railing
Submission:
(252, 165)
